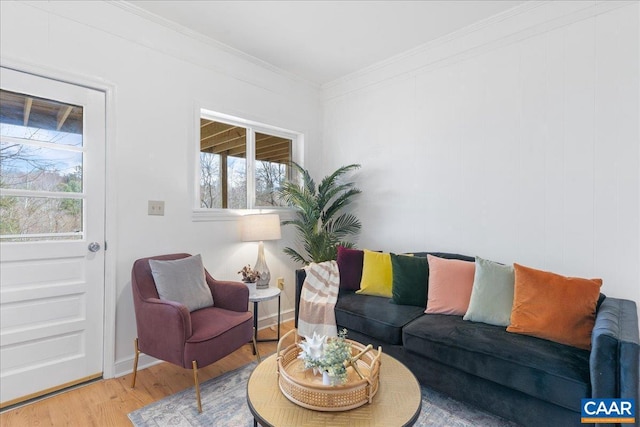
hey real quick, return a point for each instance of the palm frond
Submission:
(344, 225)
(340, 202)
(348, 245)
(319, 233)
(295, 255)
(330, 180)
(309, 184)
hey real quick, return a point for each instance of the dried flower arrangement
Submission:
(249, 275)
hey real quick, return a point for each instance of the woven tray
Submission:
(303, 388)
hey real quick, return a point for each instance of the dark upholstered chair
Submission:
(168, 331)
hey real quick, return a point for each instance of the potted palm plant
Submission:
(321, 221)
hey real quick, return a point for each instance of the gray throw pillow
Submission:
(492, 293)
(182, 280)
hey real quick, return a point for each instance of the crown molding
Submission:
(469, 29)
(174, 26)
(522, 21)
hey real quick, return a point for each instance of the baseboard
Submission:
(272, 319)
(125, 366)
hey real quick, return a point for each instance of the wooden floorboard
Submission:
(107, 402)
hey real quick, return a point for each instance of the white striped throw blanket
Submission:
(318, 299)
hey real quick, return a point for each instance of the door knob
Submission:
(94, 247)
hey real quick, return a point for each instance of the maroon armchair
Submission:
(168, 331)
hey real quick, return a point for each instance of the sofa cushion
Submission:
(544, 369)
(492, 293)
(445, 255)
(182, 280)
(410, 280)
(374, 316)
(554, 307)
(450, 284)
(377, 278)
(350, 267)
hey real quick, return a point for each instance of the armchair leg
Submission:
(136, 354)
(255, 348)
(197, 383)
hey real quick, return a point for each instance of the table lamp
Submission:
(258, 228)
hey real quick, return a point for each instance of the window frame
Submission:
(252, 127)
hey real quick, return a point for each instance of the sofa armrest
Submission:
(615, 348)
(229, 295)
(301, 274)
(173, 318)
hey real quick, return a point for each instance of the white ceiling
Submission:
(321, 41)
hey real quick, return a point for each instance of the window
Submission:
(242, 164)
(41, 161)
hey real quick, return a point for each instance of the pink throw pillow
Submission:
(450, 285)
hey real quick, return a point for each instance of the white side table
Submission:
(259, 295)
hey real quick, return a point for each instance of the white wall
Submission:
(160, 76)
(515, 139)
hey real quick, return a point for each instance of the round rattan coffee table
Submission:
(397, 402)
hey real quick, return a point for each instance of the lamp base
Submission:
(262, 269)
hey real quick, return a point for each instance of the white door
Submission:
(52, 184)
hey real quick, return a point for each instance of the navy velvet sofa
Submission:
(530, 381)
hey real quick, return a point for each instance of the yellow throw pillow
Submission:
(377, 276)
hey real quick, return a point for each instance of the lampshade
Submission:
(256, 228)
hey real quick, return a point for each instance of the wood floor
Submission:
(107, 402)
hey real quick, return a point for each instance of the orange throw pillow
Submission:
(554, 307)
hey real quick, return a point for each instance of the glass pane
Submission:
(29, 167)
(38, 119)
(223, 169)
(273, 157)
(40, 215)
(237, 183)
(26, 122)
(210, 186)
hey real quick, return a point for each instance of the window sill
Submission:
(206, 215)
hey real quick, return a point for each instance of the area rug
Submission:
(224, 403)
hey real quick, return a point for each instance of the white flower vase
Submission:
(325, 378)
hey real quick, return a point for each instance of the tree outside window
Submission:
(41, 162)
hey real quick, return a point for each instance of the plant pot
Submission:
(326, 380)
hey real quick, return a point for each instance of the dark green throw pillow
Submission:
(410, 280)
